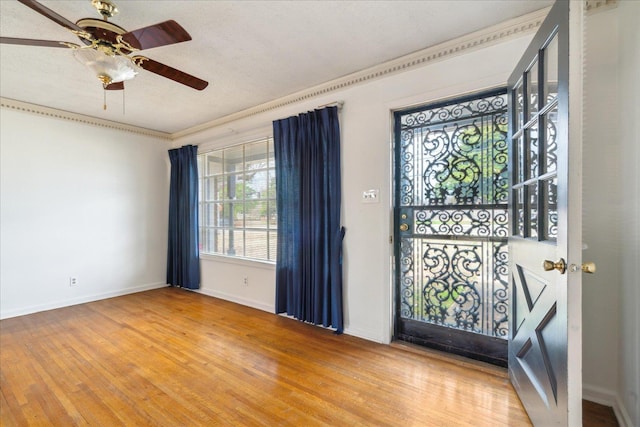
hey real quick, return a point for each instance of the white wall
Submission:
(78, 200)
(601, 205)
(366, 164)
(629, 155)
(611, 210)
(226, 280)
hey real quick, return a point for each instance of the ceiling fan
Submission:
(109, 50)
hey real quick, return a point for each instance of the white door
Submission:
(545, 342)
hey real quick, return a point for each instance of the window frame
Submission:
(224, 215)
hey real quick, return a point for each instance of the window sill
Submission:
(254, 263)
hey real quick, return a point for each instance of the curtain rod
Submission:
(338, 104)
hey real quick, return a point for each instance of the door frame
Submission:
(577, 14)
(484, 348)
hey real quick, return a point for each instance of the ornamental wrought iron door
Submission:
(544, 332)
(451, 216)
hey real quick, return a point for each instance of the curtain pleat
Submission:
(309, 251)
(183, 263)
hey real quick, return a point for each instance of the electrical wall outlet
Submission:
(73, 281)
(246, 281)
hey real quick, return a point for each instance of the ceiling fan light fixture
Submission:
(108, 68)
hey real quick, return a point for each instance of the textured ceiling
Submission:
(251, 52)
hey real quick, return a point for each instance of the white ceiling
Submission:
(250, 52)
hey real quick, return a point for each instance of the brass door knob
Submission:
(589, 267)
(404, 227)
(561, 266)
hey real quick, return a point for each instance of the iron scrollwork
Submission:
(451, 295)
(462, 222)
(454, 179)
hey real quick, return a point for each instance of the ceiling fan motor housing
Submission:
(105, 8)
(101, 31)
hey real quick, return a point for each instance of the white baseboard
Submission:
(238, 300)
(366, 335)
(79, 300)
(624, 419)
(608, 398)
(598, 395)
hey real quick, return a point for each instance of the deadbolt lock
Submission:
(404, 227)
(561, 266)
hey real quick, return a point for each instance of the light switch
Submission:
(370, 196)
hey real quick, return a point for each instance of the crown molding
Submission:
(12, 104)
(504, 31)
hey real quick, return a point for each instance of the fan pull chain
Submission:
(104, 91)
(123, 102)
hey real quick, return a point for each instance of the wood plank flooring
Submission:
(596, 415)
(170, 357)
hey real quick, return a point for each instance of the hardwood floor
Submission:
(170, 357)
(595, 415)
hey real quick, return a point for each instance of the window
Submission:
(238, 201)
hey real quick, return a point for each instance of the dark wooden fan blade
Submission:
(170, 73)
(162, 34)
(58, 19)
(115, 86)
(34, 42)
